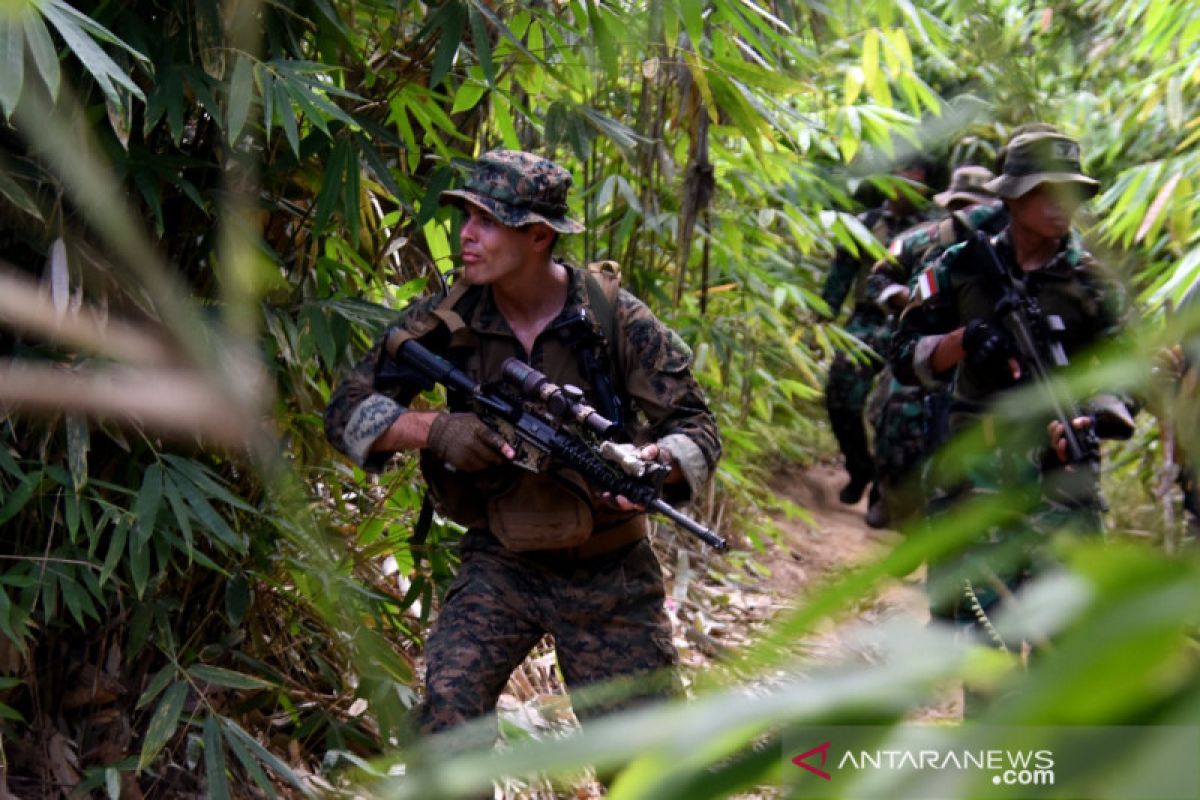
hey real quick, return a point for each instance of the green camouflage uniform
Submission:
(605, 610)
(849, 380)
(910, 424)
(1015, 459)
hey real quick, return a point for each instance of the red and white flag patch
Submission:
(927, 285)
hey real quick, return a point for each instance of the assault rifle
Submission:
(534, 416)
(1036, 335)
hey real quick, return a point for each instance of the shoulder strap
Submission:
(443, 312)
(602, 280)
(603, 294)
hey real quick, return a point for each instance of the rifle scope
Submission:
(564, 402)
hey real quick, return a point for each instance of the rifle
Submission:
(1035, 335)
(534, 416)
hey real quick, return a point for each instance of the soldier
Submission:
(849, 380)
(911, 422)
(542, 553)
(953, 330)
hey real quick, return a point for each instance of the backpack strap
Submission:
(443, 313)
(599, 364)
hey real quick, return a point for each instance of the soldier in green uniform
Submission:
(849, 380)
(543, 553)
(952, 331)
(910, 424)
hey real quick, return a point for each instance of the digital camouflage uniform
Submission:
(603, 605)
(1040, 495)
(911, 423)
(849, 380)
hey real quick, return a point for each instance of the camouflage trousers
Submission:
(906, 433)
(606, 615)
(846, 390)
(1014, 547)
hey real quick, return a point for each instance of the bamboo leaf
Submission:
(45, 56)
(116, 547)
(12, 63)
(18, 197)
(215, 771)
(19, 496)
(451, 21)
(227, 677)
(233, 731)
(483, 45)
(241, 92)
(163, 723)
(148, 501)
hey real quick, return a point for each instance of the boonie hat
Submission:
(518, 189)
(969, 184)
(1041, 157)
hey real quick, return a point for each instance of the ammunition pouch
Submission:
(540, 511)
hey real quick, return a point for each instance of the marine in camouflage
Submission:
(1013, 460)
(604, 607)
(909, 425)
(850, 378)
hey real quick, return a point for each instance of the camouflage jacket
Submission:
(848, 273)
(919, 246)
(652, 371)
(950, 293)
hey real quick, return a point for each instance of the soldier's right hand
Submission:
(990, 350)
(463, 441)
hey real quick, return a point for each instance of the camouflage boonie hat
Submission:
(518, 189)
(969, 184)
(1041, 157)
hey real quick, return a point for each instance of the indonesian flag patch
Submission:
(927, 285)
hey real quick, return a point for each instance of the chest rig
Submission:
(526, 511)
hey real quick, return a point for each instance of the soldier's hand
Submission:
(989, 349)
(1058, 437)
(653, 453)
(464, 442)
(898, 300)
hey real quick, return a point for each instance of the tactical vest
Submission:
(526, 511)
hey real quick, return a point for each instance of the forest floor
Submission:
(715, 611)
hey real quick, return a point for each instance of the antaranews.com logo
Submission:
(1008, 767)
(927, 762)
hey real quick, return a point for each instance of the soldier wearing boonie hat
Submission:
(1041, 157)
(953, 334)
(518, 189)
(543, 553)
(968, 186)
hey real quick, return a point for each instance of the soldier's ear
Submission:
(542, 237)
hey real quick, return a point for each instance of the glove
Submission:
(988, 348)
(464, 442)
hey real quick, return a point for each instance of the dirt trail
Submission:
(835, 538)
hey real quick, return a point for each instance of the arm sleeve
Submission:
(656, 365)
(930, 314)
(362, 408)
(839, 281)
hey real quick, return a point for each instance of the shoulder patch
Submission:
(927, 283)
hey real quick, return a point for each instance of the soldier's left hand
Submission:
(1058, 439)
(650, 452)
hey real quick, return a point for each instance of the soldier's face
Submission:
(1047, 209)
(490, 250)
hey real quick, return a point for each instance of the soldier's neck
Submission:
(531, 298)
(1031, 249)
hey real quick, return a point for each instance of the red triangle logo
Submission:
(800, 760)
